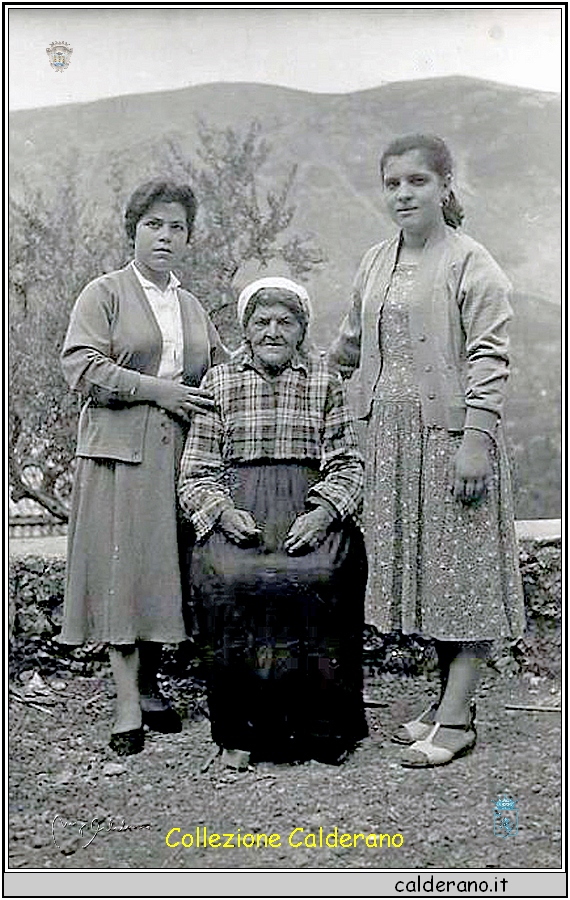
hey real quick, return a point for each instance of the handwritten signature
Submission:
(90, 829)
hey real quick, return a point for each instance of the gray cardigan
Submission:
(113, 338)
(458, 327)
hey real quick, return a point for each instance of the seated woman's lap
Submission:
(282, 638)
(248, 568)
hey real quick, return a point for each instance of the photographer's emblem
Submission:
(59, 55)
(505, 817)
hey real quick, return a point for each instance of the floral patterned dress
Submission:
(436, 567)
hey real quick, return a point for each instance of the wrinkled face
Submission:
(413, 193)
(160, 238)
(273, 333)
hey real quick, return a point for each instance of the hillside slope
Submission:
(506, 141)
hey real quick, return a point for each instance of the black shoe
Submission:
(167, 721)
(330, 752)
(126, 743)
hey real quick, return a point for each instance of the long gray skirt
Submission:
(123, 568)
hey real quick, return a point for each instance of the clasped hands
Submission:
(306, 533)
(473, 467)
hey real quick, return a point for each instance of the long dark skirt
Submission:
(282, 634)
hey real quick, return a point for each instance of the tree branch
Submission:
(23, 491)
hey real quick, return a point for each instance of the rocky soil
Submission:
(61, 772)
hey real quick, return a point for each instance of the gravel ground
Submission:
(61, 766)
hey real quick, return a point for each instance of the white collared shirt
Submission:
(166, 308)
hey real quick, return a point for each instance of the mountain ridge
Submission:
(457, 79)
(510, 187)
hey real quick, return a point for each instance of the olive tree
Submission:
(237, 222)
(56, 246)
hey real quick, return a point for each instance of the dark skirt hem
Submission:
(282, 634)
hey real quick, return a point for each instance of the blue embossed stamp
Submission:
(505, 817)
(59, 53)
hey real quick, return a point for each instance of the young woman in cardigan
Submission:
(137, 347)
(427, 332)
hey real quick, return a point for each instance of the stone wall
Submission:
(37, 577)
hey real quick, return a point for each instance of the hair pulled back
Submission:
(438, 159)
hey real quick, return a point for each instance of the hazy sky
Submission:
(127, 50)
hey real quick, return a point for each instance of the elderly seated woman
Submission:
(271, 479)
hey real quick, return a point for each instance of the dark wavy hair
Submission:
(158, 190)
(438, 159)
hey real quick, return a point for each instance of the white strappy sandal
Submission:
(416, 730)
(425, 754)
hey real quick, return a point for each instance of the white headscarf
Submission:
(274, 282)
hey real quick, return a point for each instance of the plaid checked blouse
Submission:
(298, 416)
